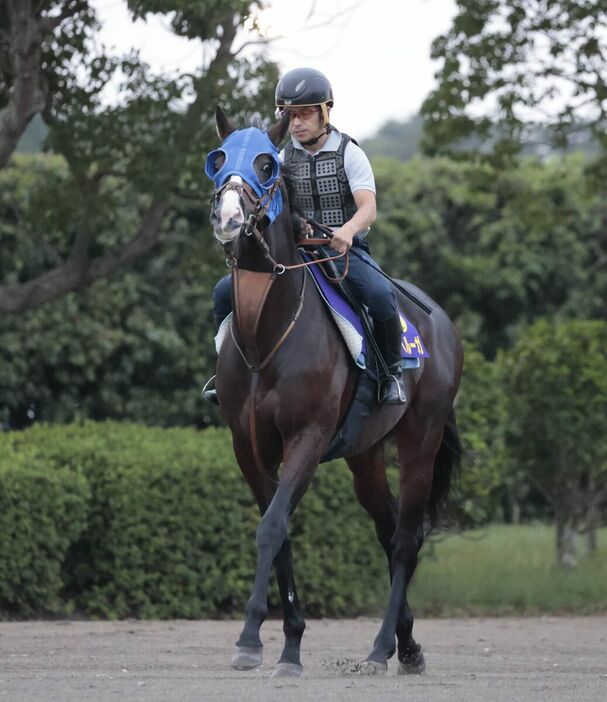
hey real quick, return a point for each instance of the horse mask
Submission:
(240, 150)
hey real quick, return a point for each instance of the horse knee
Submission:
(272, 530)
(405, 547)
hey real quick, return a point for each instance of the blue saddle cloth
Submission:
(350, 325)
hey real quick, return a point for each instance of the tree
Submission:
(479, 409)
(556, 389)
(137, 346)
(149, 142)
(507, 64)
(497, 248)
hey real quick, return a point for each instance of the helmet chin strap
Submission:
(311, 142)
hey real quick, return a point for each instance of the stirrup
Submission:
(210, 393)
(392, 390)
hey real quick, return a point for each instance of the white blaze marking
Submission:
(231, 216)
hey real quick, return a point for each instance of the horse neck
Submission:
(264, 301)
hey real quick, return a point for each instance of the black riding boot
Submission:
(209, 392)
(388, 336)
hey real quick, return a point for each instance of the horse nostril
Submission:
(234, 222)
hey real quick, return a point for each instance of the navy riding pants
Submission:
(368, 284)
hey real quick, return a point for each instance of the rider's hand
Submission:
(341, 240)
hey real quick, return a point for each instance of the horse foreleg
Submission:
(416, 454)
(289, 664)
(248, 652)
(300, 460)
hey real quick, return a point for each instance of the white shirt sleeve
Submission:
(358, 169)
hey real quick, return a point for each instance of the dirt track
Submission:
(467, 659)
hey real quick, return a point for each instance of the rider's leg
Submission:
(222, 306)
(222, 299)
(378, 295)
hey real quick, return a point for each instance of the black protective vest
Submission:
(322, 191)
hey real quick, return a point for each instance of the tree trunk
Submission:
(591, 540)
(566, 540)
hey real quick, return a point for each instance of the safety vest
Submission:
(321, 186)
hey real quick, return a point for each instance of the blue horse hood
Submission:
(240, 150)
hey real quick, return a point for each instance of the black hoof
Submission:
(413, 665)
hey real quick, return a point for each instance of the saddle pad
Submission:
(347, 319)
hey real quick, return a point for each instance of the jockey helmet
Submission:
(304, 87)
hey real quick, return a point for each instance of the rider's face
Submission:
(305, 122)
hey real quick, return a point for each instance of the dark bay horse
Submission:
(284, 383)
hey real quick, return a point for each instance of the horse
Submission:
(284, 383)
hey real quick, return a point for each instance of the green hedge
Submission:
(42, 513)
(121, 520)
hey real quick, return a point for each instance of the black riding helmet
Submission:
(303, 87)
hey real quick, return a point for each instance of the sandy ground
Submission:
(467, 659)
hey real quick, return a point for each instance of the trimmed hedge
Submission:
(120, 520)
(42, 513)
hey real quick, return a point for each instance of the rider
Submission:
(334, 185)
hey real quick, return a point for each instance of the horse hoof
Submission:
(287, 670)
(415, 666)
(247, 658)
(370, 668)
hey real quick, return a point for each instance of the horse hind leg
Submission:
(373, 492)
(417, 448)
(410, 655)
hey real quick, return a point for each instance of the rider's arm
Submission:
(361, 221)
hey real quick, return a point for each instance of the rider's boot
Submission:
(388, 335)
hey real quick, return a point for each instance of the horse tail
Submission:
(447, 460)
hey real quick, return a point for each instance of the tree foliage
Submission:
(136, 346)
(497, 247)
(556, 389)
(147, 142)
(515, 62)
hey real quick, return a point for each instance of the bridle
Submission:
(251, 227)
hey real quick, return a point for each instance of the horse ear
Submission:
(278, 131)
(224, 126)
